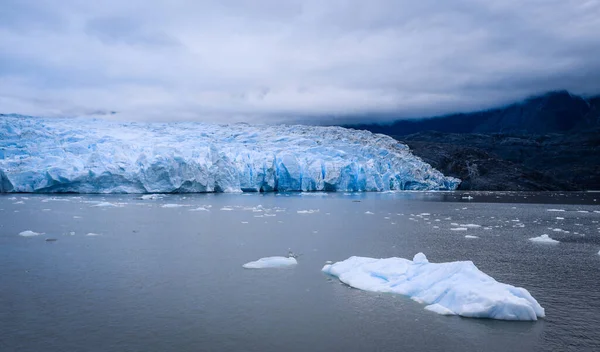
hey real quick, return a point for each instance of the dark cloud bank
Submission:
(277, 61)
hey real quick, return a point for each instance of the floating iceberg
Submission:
(99, 156)
(271, 262)
(30, 233)
(471, 236)
(455, 288)
(543, 239)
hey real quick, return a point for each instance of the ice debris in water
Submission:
(200, 209)
(151, 196)
(454, 288)
(99, 156)
(543, 239)
(29, 233)
(92, 234)
(105, 205)
(471, 236)
(172, 206)
(271, 262)
(309, 211)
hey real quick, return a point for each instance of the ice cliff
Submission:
(100, 156)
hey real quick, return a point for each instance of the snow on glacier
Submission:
(99, 156)
(454, 288)
(271, 262)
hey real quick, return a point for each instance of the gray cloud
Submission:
(275, 61)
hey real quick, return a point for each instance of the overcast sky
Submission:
(284, 60)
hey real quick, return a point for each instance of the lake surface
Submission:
(157, 278)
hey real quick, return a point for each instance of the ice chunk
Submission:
(309, 211)
(459, 229)
(98, 156)
(543, 239)
(92, 234)
(172, 206)
(199, 209)
(151, 196)
(555, 210)
(471, 226)
(471, 236)
(457, 288)
(105, 205)
(30, 233)
(271, 262)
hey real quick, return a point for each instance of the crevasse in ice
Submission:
(100, 156)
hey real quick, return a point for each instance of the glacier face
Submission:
(99, 156)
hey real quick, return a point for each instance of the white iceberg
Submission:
(543, 239)
(105, 205)
(172, 206)
(98, 156)
(151, 196)
(271, 262)
(30, 233)
(454, 288)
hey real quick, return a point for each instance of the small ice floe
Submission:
(244, 222)
(105, 205)
(92, 234)
(271, 262)
(309, 211)
(471, 236)
(543, 239)
(555, 210)
(559, 218)
(19, 202)
(226, 208)
(470, 226)
(467, 197)
(459, 229)
(370, 213)
(172, 205)
(29, 233)
(151, 196)
(199, 209)
(436, 227)
(583, 211)
(76, 217)
(453, 288)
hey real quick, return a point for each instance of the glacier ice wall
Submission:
(100, 156)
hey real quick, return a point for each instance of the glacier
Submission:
(454, 288)
(76, 155)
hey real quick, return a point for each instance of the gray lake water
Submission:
(160, 278)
